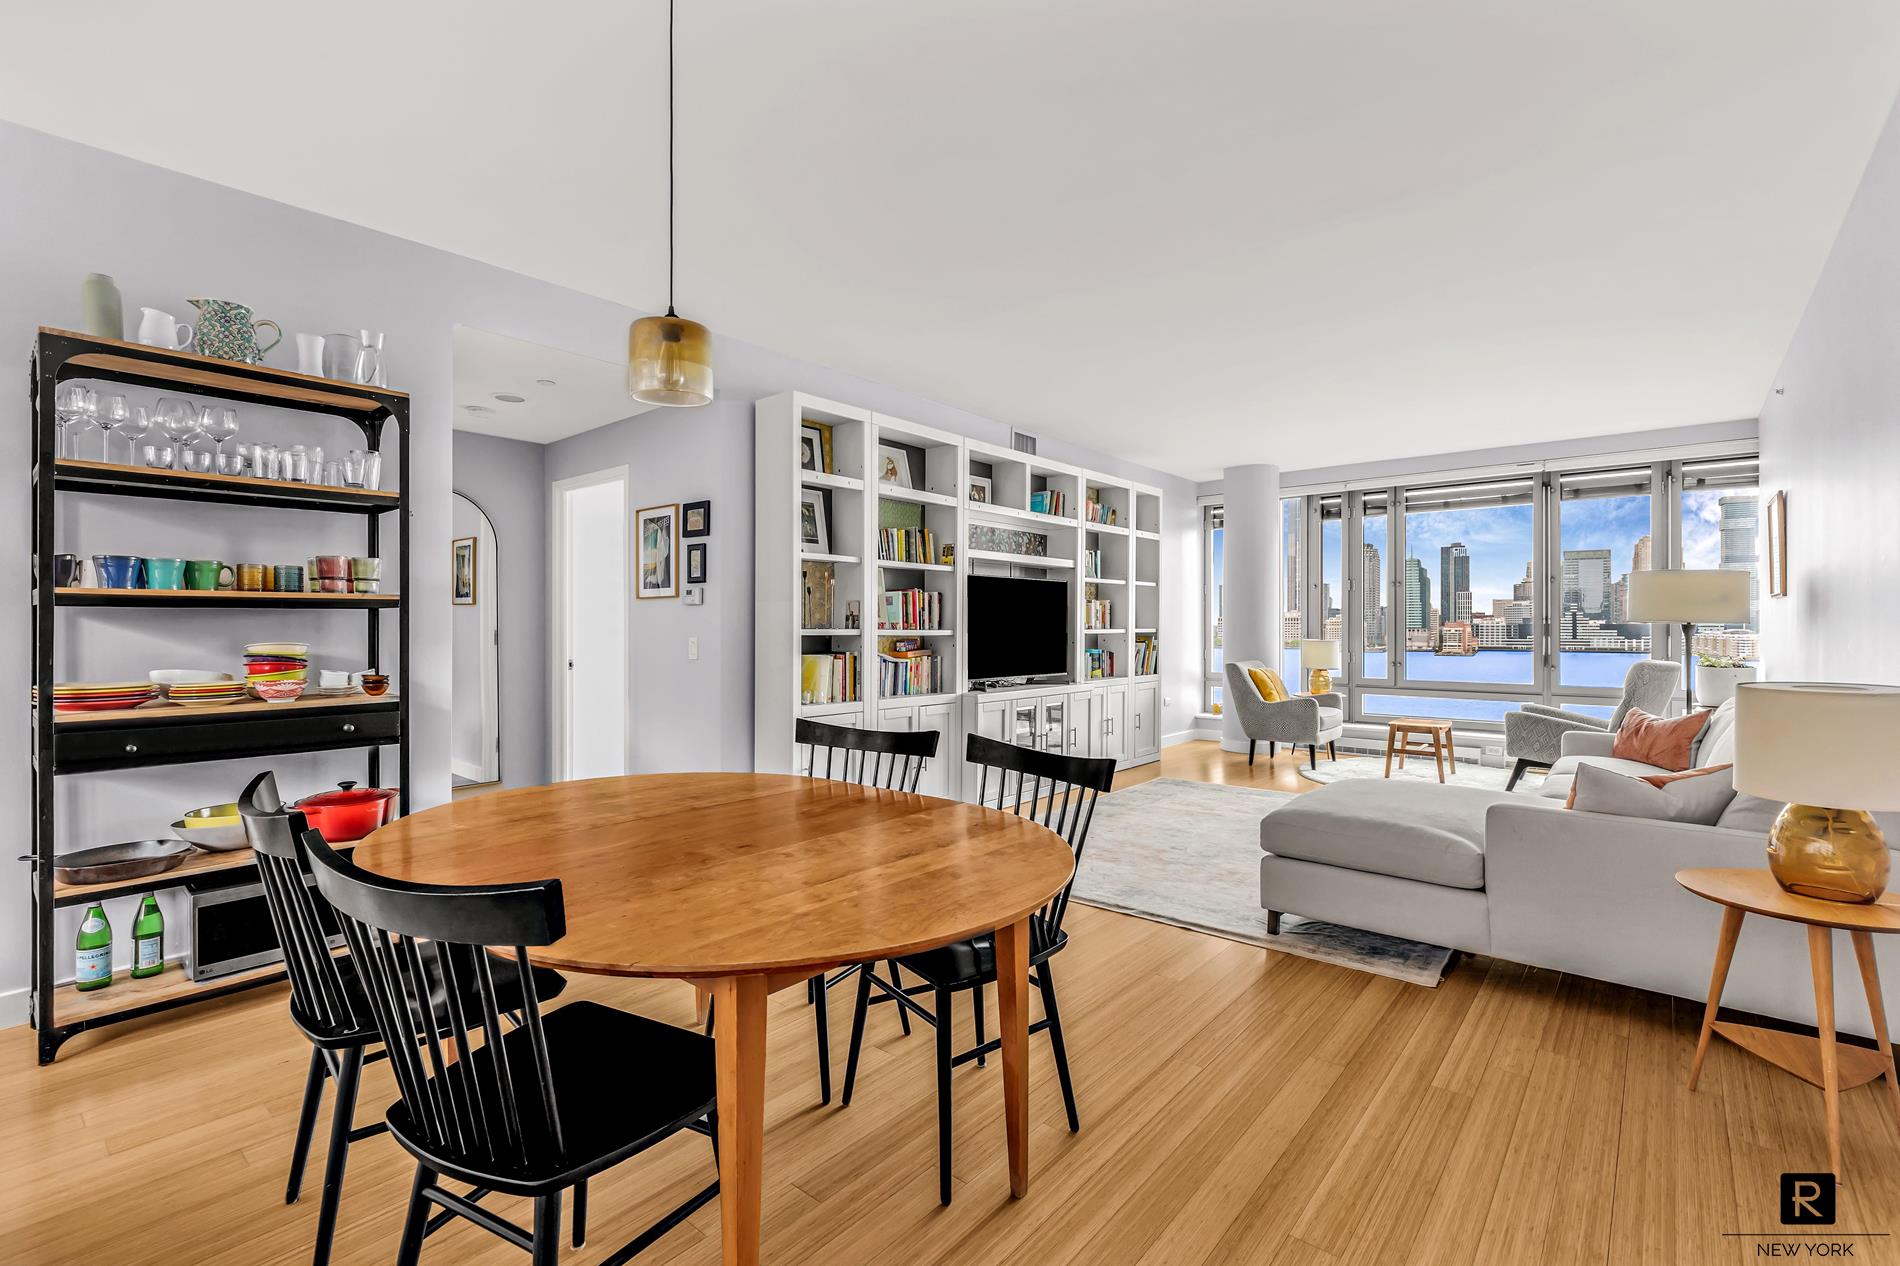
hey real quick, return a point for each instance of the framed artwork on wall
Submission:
(656, 531)
(462, 571)
(1778, 545)
(980, 489)
(893, 466)
(696, 563)
(696, 519)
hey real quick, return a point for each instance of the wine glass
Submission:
(178, 418)
(136, 428)
(72, 408)
(111, 412)
(219, 423)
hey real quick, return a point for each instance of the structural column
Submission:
(1253, 589)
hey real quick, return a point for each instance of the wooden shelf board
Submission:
(219, 597)
(160, 711)
(196, 864)
(76, 475)
(1020, 560)
(126, 994)
(919, 496)
(893, 565)
(209, 372)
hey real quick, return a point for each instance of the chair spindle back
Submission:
(891, 759)
(1057, 791)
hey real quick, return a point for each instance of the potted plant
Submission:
(1716, 677)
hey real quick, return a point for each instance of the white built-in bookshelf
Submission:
(859, 607)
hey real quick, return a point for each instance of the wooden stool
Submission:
(1819, 1060)
(1436, 736)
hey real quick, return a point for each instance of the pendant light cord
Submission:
(669, 159)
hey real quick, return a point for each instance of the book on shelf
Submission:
(1096, 512)
(1101, 663)
(1147, 656)
(1092, 564)
(907, 667)
(829, 678)
(1098, 613)
(910, 609)
(906, 545)
(1049, 501)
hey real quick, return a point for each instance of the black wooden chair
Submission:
(328, 1002)
(891, 759)
(530, 1112)
(1059, 792)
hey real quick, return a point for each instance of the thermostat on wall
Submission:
(694, 596)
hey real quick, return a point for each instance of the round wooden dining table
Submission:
(745, 884)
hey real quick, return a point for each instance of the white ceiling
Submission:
(1191, 233)
(581, 393)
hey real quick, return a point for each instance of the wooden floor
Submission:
(1237, 1105)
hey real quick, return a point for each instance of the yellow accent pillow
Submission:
(1268, 683)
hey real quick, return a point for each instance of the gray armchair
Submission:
(1302, 721)
(1533, 735)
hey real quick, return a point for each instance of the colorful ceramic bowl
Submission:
(278, 691)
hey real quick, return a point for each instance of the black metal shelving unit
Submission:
(81, 743)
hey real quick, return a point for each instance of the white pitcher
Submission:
(159, 329)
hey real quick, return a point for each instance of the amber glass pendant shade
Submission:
(669, 362)
(1833, 854)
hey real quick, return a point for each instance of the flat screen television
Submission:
(1016, 627)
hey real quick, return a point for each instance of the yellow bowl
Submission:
(212, 815)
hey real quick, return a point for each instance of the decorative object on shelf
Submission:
(669, 359)
(350, 358)
(1319, 657)
(1001, 540)
(696, 563)
(101, 309)
(696, 519)
(462, 571)
(119, 571)
(814, 447)
(164, 573)
(980, 489)
(1828, 749)
(250, 577)
(1778, 545)
(310, 355)
(375, 684)
(209, 573)
(947, 555)
(1718, 675)
(853, 614)
(286, 578)
(366, 575)
(228, 330)
(656, 531)
(162, 329)
(893, 466)
(814, 534)
(1688, 598)
(818, 582)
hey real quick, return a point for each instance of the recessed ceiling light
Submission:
(478, 408)
(508, 397)
(544, 382)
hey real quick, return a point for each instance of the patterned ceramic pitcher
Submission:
(226, 330)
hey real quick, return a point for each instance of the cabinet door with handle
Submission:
(1145, 738)
(1055, 723)
(1083, 711)
(1111, 723)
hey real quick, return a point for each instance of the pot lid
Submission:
(347, 793)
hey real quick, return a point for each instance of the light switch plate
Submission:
(692, 648)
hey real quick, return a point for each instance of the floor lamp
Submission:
(1688, 598)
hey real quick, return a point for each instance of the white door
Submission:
(590, 579)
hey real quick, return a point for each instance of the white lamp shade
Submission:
(1317, 653)
(1688, 597)
(1827, 744)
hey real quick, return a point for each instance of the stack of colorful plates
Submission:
(101, 696)
(207, 694)
(275, 671)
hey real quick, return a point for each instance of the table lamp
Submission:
(1688, 598)
(1319, 657)
(1822, 747)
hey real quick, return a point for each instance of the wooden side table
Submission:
(1436, 736)
(1818, 1061)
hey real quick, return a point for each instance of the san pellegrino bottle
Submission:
(92, 961)
(148, 939)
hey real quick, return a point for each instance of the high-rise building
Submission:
(1418, 595)
(1371, 594)
(1739, 526)
(1525, 590)
(1290, 540)
(1454, 582)
(1639, 557)
(1587, 582)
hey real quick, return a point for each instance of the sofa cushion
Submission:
(1697, 796)
(1715, 745)
(1422, 831)
(1268, 683)
(1658, 741)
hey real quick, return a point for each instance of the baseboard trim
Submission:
(1179, 736)
(13, 1007)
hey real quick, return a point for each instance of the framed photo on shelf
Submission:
(696, 519)
(814, 447)
(814, 535)
(980, 489)
(893, 466)
(1778, 545)
(696, 563)
(462, 571)
(656, 536)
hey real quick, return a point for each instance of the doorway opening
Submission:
(589, 575)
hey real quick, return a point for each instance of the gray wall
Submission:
(1830, 440)
(508, 479)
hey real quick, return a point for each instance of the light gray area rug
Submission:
(1188, 853)
(1421, 769)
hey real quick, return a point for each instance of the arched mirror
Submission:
(475, 642)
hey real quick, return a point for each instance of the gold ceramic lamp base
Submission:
(1320, 683)
(1832, 854)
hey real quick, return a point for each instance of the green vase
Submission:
(101, 310)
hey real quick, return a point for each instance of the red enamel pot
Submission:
(348, 813)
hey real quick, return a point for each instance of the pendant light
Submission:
(669, 359)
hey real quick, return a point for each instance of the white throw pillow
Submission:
(1695, 796)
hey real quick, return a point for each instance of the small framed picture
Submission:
(893, 466)
(696, 519)
(656, 531)
(814, 447)
(980, 489)
(696, 563)
(814, 535)
(1778, 545)
(462, 571)
(947, 555)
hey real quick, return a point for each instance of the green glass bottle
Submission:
(148, 939)
(92, 962)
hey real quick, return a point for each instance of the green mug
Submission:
(164, 573)
(204, 573)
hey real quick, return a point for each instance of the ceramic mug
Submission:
(119, 571)
(66, 571)
(161, 329)
(250, 577)
(207, 573)
(164, 573)
(366, 569)
(330, 566)
(228, 330)
(288, 578)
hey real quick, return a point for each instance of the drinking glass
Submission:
(158, 454)
(111, 412)
(297, 464)
(219, 423)
(353, 468)
(72, 408)
(230, 463)
(266, 461)
(195, 460)
(372, 470)
(135, 429)
(178, 418)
